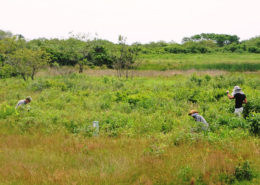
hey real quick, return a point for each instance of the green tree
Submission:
(5, 34)
(83, 54)
(27, 62)
(125, 60)
(220, 39)
(9, 45)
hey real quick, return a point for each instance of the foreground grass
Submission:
(216, 61)
(66, 159)
(144, 135)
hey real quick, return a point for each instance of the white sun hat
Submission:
(237, 90)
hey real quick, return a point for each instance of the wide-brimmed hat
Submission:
(28, 98)
(193, 112)
(236, 90)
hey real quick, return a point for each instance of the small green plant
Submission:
(155, 150)
(244, 172)
(185, 173)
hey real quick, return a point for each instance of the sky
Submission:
(139, 20)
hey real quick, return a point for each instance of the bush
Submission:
(254, 121)
(7, 71)
(244, 172)
(6, 110)
(194, 97)
(252, 106)
(254, 49)
(40, 85)
(227, 82)
(175, 49)
(113, 125)
(232, 122)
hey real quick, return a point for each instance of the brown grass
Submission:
(65, 159)
(136, 73)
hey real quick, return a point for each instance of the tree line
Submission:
(206, 43)
(21, 57)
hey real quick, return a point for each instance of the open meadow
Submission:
(112, 92)
(144, 129)
(213, 61)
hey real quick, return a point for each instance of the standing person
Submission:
(240, 98)
(199, 118)
(23, 102)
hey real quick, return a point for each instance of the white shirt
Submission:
(20, 102)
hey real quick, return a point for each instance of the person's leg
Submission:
(239, 111)
(236, 112)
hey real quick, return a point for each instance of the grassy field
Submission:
(216, 61)
(145, 133)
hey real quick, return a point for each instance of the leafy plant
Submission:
(244, 172)
(253, 105)
(254, 121)
(6, 110)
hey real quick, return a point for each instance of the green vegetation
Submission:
(214, 61)
(203, 51)
(145, 131)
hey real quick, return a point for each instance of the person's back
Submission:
(201, 119)
(198, 118)
(23, 102)
(20, 103)
(239, 100)
(239, 97)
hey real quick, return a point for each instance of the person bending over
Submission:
(23, 102)
(198, 118)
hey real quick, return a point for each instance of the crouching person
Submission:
(23, 102)
(202, 123)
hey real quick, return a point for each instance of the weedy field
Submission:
(145, 132)
(214, 61)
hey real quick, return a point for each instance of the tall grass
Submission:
(66, 159)
(144, 134)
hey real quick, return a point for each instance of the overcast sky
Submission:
(139, 20)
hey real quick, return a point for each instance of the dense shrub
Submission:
(7, 71)
(253, 105)
(232, 122)
(6, 110)
(244, 172)
(254, 121)
(254, 49)
(175, 49)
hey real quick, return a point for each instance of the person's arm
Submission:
(245, 101)
(18, 104)
(229, 96)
